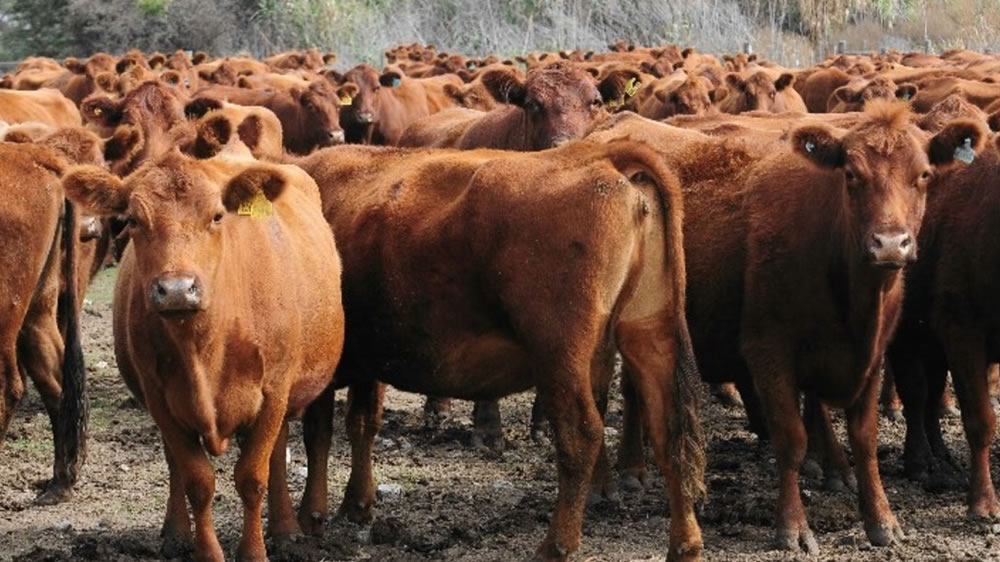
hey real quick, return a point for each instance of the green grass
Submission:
(103, 288)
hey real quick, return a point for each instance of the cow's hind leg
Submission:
(317, 430)
(651, 363)
(567, 396)
(11, 389)
(364, 417)
(631, 449)
(603, 485)
(281, 523)
(487, 429)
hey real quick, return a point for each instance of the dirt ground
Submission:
(445, 500)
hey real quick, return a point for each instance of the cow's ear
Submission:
(959, 141)
(687, 52)
(818, 144)
(157, 60)
(199, 57)
(213, 133)
(619, 85)
(453, 92)
(718, 94)
(784, 81)
(752, 57)
(106, 81)
(390, 79)
(123, 143)
(505, 86)
(329, 58)
(102, 110)
(171, 77)
(74, 65)
(246, 186)
(97, 191)
(198, 107)
(994, 122)
(244, 83)
(734, 82)
(846, 94)
(250, 131)
(333, 76)
(347, 92)
(906, 91)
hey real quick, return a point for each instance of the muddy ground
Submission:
(450, 502)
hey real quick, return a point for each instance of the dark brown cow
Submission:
(819, 85)
(950, 322)
(555, 104)
(480, 313)
(227, 317)
(41, 284)
(799, 290)
(310, 118)
(761, 92)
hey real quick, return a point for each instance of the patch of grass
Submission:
(103, 288)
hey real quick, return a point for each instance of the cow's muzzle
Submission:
(891, 250)
(176, 294)
(366, 117)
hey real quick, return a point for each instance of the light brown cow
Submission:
(44, 106)
(455, 269)
(761, 92)
(227, 317)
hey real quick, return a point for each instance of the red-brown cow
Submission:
(455, 272)
(761, 92)
(799, 290)
(950, 322)
(854, 95)
(310, 118)
(227, 317)
(39, 280)
(387, 103)
(555, 104)
(43, 106)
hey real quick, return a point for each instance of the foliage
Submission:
(790, 31)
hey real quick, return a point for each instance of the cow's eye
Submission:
(596, 102)
(533, 107)
(131, 222)
(926, 175)
(217, 220)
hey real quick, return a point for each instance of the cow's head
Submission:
(322, 109)
(473, 95)
(692, 97)
(885, 164)
(179, 211)
(759, 92)
(560, 102)
(365, 103)
(854, 96)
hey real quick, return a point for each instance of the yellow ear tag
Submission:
(258, 207)
(346, 100)
(97, 111)
(631, 87)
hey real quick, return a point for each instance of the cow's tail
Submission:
(71, 426)
(687, 438)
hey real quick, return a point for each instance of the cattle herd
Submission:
(720, 220)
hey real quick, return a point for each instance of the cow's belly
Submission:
(473, 367)
(833, 371)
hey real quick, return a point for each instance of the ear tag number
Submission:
(258, 207)
(965, 153)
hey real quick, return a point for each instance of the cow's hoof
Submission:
(481, 441)
(632, 482)
(312, 523)
(540, 436)
(895, 415)
(839, 484)
(884, 533)
(174, 546)
(984, 511)
(53, 494)
(551, 551)
(811, 469)
(797, 540)
(949, 411)
(357, 511)
(685, 552)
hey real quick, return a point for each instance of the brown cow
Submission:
(950, 323)
(387, 103)
(555, 104)
(227, 317)
(81, 79)
(480, 313)
(819, 85)
(138, 123)
(827, 258)
(44, 106)
(40, 283)
(257, 127)
(310, 118)
(691, 95)
(854, 95)
(761, 92)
